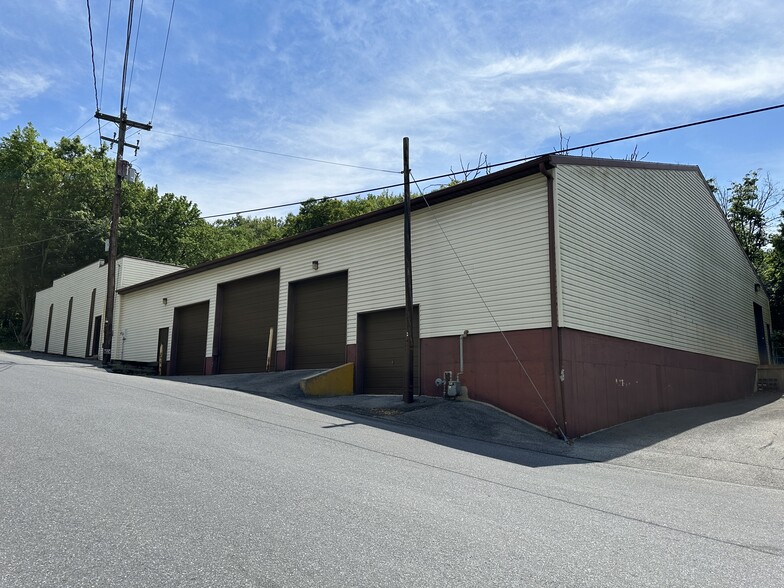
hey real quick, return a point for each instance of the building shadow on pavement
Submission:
(740, 441)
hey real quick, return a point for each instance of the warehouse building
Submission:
(576, 293)
(68, 316)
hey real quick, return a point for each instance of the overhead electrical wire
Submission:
(81, 127)
(92, 59)
(125, 59)
(254, 149)
(163, 60)
(510, 162)
(625, 138)
(489, 311)
(303, 201)
(135, 48)
(18, 245)
(105, 48)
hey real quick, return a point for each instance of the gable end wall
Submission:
(646, 255)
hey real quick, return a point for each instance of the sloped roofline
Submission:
(491, 180)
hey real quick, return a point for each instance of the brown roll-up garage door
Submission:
(247, 310)
(382, 351)
(316, 335)
(189, 345)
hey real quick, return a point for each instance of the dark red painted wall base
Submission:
(493, 375)
(609, 381)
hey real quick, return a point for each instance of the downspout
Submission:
(556, 350)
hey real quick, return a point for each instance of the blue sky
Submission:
(345, 81)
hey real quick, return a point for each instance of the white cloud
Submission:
(16, 87)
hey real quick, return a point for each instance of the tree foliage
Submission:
(752, 207)
(55, 206)
(315, 213)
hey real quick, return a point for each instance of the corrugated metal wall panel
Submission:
(80, 285)
(135, 270)
(645, 255)
(43, 299)
(500, 235)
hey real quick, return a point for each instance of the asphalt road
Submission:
(112, 480)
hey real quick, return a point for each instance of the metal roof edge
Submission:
(443, 195)
(625, 163)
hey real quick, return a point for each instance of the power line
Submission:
(220, 144)
(105, 48)
(625, 138)
(135, 48)
(125, 60)
(303, 201)
(92, 59)
(490, 312)
(510, 162)
(163, 60)
(45, 240)
(82, 126)
(92, 54)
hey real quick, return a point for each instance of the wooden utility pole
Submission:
(408, 395)
(122, 169)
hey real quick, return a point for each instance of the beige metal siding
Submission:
(499, 234)
(135, 270)
(80, 285)
(645, 255)
(40, 319)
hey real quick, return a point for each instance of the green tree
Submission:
(51, 213)
(746, 214)
(54, 216)
(751, 207)
(315, 213)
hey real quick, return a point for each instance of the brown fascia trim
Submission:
(433, 198)
(466, 188)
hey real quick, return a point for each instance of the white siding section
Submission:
(80, 285)
(41, 318)
(645, 255)
(135, 270)
(499, 235)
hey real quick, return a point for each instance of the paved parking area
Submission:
(739, 442)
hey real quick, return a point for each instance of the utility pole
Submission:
(122, 170)
(408, 395)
